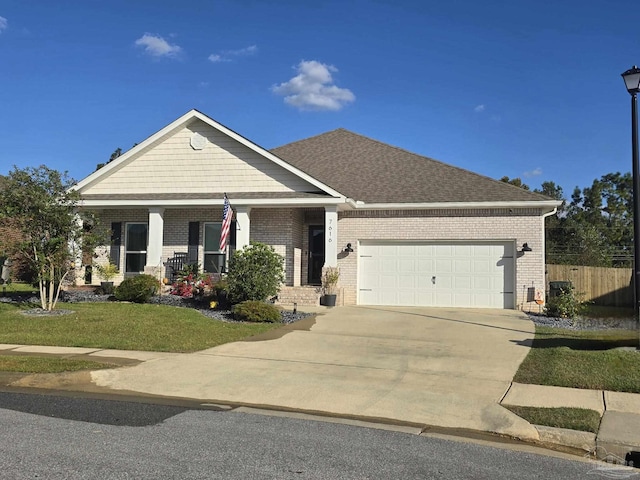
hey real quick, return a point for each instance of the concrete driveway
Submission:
(427, 366)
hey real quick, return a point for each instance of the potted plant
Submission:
(330, 278)
(107, 273)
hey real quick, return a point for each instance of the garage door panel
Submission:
(462, 266)
(462, 250)
(484, 283)
(388, 265)
(407, 281)
(444, 266)
(443, 282)
(407, 265)
(388, 282)
(462, 283)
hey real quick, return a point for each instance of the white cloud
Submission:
(479, 108)
(226, 55)
(313, 88)
(536, 172)
(3, 24)
(250, 50)
(156, 46)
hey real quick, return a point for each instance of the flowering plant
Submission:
(192, 284)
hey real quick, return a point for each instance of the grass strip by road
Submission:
(573, 418)
(583, 359)
(33, 364)
(123, 326)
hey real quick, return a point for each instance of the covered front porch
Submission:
(148, 240)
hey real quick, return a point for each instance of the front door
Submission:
(316, 254)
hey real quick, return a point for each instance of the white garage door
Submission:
(475, 274)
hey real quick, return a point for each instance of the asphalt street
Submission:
(58, 437)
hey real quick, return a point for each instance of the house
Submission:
(403, 229)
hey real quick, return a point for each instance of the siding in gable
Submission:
(224, 165)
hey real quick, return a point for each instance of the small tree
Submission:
(39, 203)
(255, 273)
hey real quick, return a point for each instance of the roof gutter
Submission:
(182, 203)
(550, 205)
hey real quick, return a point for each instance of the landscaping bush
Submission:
(254, 311)
(221, 289)
(255, 273)
(137, 289)
(567, 304)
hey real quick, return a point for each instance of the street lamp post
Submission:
(632, 82)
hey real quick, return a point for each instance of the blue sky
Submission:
(523, 89)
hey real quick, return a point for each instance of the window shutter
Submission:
(194, 242)
(116, 242)
(232, 235)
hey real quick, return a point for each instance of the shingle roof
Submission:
(373, 172)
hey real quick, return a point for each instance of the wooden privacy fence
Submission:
(600, 285)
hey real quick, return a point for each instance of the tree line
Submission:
(594, 227)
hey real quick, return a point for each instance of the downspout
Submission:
(544, 247)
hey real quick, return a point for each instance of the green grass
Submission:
(583, 359)
(573, 418)
(17, 287)
(31, 364)
(123, 326)
(599, 311)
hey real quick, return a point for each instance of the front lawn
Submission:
(591, 359)
(123, 326)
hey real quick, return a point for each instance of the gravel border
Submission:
(85, 296)
(584, 323)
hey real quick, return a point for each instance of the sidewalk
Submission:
(619, 431)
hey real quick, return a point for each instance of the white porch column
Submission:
(243, 227)
(156, 234)
(331, 236)
(75, 246)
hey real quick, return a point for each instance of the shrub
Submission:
(107, 271)
(254, 311)
(221, 289)
(137, 289)
(255, 273)
(567, 304)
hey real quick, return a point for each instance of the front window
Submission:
(135, 247)
(214, 258)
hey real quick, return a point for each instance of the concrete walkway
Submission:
(619, 431)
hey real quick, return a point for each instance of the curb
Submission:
(564, 437)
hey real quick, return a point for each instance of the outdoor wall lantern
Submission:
(348, 248)
(525, 248)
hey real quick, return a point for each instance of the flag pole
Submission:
(225, 230)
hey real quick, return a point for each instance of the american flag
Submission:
(227, 213)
